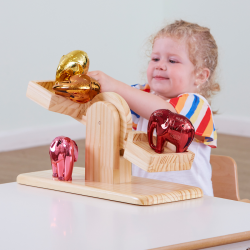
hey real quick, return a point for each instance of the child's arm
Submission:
(142, 103)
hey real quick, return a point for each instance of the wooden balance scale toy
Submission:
(111, 147)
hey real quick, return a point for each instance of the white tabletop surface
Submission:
(35, 218)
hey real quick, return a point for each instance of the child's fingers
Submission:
(94, 74)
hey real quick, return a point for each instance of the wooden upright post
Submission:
(103, 162)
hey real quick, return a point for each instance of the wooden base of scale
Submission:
(140, 191)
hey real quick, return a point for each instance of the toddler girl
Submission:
(181, 76)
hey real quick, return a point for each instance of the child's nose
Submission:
(161, 66)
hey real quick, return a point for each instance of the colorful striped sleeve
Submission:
(135, 116)
(198, 111)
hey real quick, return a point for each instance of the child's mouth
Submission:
(160, 78)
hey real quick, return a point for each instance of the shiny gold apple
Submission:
(79, 88)
(74, 63)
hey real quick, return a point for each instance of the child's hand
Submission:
(139, 101)
(108, 84)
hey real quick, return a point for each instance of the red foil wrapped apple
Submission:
(63, 153)
(174, 128)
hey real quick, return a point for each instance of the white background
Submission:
(35, 34)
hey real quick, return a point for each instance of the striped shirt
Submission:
(196, 108)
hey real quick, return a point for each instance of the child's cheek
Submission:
(149, 73)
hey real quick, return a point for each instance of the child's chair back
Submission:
(224, 177)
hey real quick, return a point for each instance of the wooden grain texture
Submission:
(224, 177)
(123, 110)
(125, 169)
(210, 242)
(141, 154)
(141, 191)
(42, 93)
(245, 200)
(102, 154)
(237, 147)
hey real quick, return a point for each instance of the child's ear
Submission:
(202, 76)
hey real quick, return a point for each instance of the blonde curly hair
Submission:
(203, 50)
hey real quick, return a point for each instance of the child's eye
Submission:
(172, 61)
(155, 59)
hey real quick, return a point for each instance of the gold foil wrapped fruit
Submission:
(74, 63)
(79, 88)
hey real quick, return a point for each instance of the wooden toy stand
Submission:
(111, 146)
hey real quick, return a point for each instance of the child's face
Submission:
(170, 72)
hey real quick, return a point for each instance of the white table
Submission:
(33, 218)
